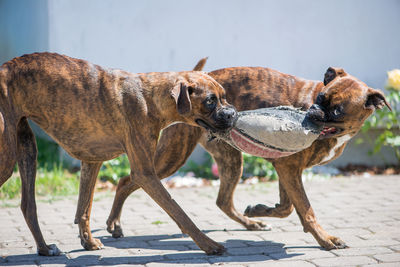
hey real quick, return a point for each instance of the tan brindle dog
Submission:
(97, 114)
(342, 103)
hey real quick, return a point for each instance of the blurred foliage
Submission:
(202, 170)
(256, 166)
(252, 166)
(48, 156)
(114, 169)
(53, 181)
(388, 121)
(51, 178)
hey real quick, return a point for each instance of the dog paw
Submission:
(216, 249)
(115, 229)
(257, 210)
(253, 225)
(334, 243)
(117, 233)
(92, 244)
(49, 250)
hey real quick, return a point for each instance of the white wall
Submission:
(300, 37)
(23, 28)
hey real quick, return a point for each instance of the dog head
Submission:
(344, 104)
(201, 101)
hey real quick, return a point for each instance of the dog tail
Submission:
(200, 65)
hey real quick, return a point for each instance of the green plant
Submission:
(56, 181)
(49, 181)
(11, 188)
(387, 120)
(252, 166)
(256, 166)
(114, 169)
(48, 155)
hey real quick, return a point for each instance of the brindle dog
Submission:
(341, 103)
(97, 114)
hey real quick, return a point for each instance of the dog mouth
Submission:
(329, 131)
(206, 125)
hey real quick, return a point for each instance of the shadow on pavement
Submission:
(237, 251)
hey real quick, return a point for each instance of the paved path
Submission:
(364, 212)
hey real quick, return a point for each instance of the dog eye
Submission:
(337, 111)
(211, 102)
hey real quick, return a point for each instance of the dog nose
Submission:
(229, 114)
(316, 113)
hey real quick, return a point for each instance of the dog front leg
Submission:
(175, 145)
(290, 180)
(27, 153)
(152, 186)
(141, 152)
(89, 173)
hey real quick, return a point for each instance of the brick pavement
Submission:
(364, 212)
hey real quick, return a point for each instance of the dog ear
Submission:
(200, 65)
(331, 73)
(376, 100)
(181, 96)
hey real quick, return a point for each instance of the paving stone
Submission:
(283, 264)
(382, 265)
(363, 212)
(302, 255)
(185, 255)
(395, 248)
(361, 251)
(392, 257)
(174, 263)
(22, 263)
(264, 250)
(344, 261)
(239, 259)
(131, 259)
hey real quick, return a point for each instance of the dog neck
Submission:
(157, 90)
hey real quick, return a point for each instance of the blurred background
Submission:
(300, 37)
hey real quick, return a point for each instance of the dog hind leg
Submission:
(230, 162)
(8, 156)
(89, 173)
(27, 153)
(281, 210)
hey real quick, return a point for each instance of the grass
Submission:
(158, 222)
(54, 181)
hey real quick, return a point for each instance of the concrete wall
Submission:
(300, 37)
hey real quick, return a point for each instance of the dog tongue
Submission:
(248, 146)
